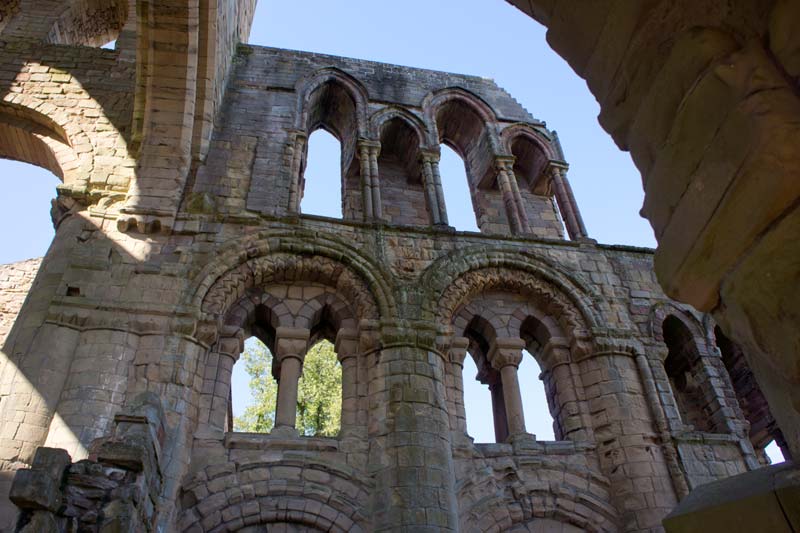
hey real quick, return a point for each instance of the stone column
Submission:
(506, 165)
(437, 185)
(410, 455)
(297, 151)
(426, 162)
(375, 181)
(565, 203)
(291, 345)
(346, 347)
(366, 180)
(505, 356)
(504, 184)
(642, 487)
(217, 384)
(458, 415)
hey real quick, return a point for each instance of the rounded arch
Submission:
(532, 149)
(378, 121)
(455, 279)
(248, 262)
(332, 506)
(89, 22)
(492, 502)
(661, 311)
(36, 132)
(309, 87)
(468, 125)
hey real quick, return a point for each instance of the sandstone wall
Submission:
(15, 282)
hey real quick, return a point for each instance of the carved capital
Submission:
(347, 344)
(291, 342)
(429, 156)
(504, 162)
(506, 352)
(458, 350)
(367, 147)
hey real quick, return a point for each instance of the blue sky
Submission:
(488, 38)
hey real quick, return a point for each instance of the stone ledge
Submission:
(767, 499)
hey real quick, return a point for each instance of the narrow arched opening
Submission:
(539, 396)
(402, 191)
(331, 107)
(462, 130)
(685, 373)
(458, 196)
(530, 164)
(322, 185)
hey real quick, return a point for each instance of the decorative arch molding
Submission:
(501, 497)
(660, 311)
(251, 261)
(457, 278)
(266, 492)
(305, 88)
(380, 118)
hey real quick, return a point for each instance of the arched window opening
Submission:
(319, 393)
(684, 371)
(462, 128)
(402, 192)
(332, 108)
(530, 166)
(322, 185)
(477, 404)
(254, 390)
(33, 207)
(457, 192)
(536, 401)
(764, 430)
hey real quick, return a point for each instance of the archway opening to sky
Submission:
(457, 196)
(322, 189)
(36, 188)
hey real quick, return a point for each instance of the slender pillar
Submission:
(375, 181)
(504, 184)
(430, 187)
(346, 346)
(458, 415)
(296, 169)
(366, 180)
(437, 184)
(506, 165)
(290, 349)
(505, 356)
(575, 210)
(566, 204)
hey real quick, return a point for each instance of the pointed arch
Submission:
(533, 150)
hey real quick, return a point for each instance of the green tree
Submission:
(319, 392)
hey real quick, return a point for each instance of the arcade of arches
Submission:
(180, 233)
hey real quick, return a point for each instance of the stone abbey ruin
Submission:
(179, 235)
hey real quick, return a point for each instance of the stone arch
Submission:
(89, 22)
(379, 119)
(354, 89)
(242, 263)
(466, 123)
(336, 102)
(533, 150)
(695, 372)
(405, 198)
(454, 279)
(300, 490)
(504, 500)
(49, 139)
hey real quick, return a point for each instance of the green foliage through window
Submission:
(319, 392)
